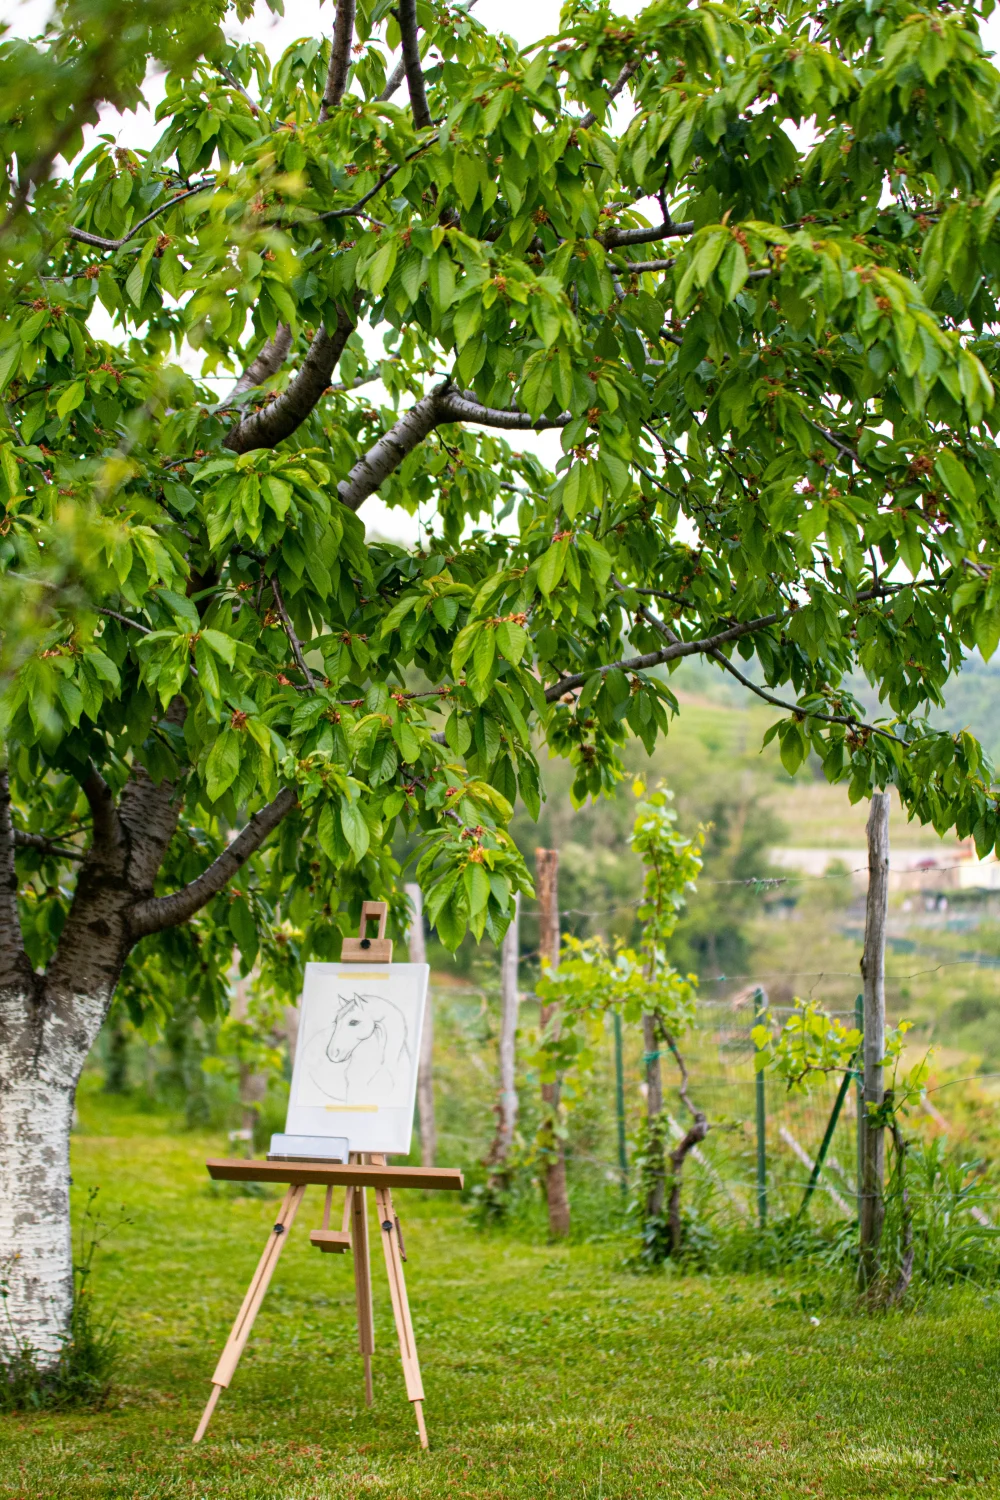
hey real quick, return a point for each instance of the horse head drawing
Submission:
(367, 1041)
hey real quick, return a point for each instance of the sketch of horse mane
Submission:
(360, 1050)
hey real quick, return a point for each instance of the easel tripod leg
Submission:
(401, 1307)
(256, 1291)
(363, 1284)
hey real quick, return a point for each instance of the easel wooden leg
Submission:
(240, 1332)
(358, 1206)
(401, 1307)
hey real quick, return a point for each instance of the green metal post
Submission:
(859, 1078)
(827, 1138)
(760, 1010)
(620, 1103)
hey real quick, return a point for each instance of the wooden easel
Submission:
(356, 1176)
(360, 1173)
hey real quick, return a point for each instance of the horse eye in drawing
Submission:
(354, 1023)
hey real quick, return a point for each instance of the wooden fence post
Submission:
(760, 1097)
(510, 954)
(873, 975)
(425, 1067)
(547, 885)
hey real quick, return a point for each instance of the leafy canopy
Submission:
(744, 259)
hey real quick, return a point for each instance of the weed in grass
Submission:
(82, 1374)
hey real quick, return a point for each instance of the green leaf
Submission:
(71, 398)
(222, 765)
(550, 569)
(955, 477)
(477, 887)
(355, 828)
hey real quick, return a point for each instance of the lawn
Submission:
(550, 1371)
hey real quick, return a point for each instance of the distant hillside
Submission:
(973, 696)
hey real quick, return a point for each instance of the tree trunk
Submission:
(872, 1153)
(425, 1068)
(509, 1002)
(36, 1261)
(657, 1173)
(547, 879)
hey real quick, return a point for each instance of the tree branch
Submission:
(623, 77)
(393, 81)
(293, 639)
(668, 230)
(375, 466)
(160, 912)
(267, 363)
(406, 15)
(710, 648)
(669, 652)
(102, 810)
(442, 404)
(25, 840)
(340, 58)
(280, 418)
(86, 238)
(462, 406)
(390, 172)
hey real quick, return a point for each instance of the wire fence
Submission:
(769, 1153)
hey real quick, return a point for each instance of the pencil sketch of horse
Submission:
(364, 1047)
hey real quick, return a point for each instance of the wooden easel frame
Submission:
(360, 1173)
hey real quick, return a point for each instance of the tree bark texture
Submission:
(547, 886)
(510, 954)
(36, 1261)
(872, 1203)
(425, 1067)
(340, 58)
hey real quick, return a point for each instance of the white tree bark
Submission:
(36, 1111)
(425, 1067)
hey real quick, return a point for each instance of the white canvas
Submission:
(355, 1073)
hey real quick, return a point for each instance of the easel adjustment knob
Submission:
(279, 1228)
(387, 1225)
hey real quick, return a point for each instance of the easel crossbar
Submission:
(327, 1174)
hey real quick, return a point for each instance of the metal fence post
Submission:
(620, 1103)
(760, 1011)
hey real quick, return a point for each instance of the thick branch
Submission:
(102, 810)
(462, 406)
(406, 15)
(393, 81)
(267, 363)
(168, 911)
(623, 77)
(668, 230)
(340, 58)
(442, 404)
(392, 447)
(279, 419)
(86, 238)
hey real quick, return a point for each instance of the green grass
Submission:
(549, 1371)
